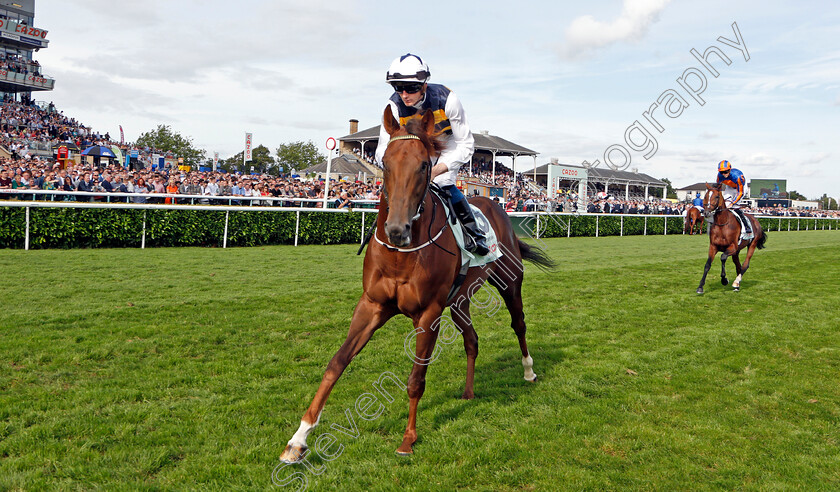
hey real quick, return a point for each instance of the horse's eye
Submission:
(423, 166)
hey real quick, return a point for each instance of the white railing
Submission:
(563, 219)
(55, 196)
(546, 216)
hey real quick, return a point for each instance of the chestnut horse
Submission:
(693, 217)
(725, 236)
(411, 268)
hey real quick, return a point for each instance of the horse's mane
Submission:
(434, 144)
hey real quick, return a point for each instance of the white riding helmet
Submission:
(408, 68)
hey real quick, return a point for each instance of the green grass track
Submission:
(189, 369)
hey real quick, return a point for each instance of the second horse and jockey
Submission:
(730, 228)
(694, 216)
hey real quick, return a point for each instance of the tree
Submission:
(669, 193)
(261, 160)
(165, 139)
(231, 164)
(793, 195)
(298, 155)
(827, 202)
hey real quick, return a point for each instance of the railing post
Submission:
(797, 223)
(621, 232)
(143, 238)
(26, 239)
(297, 225)
(666, 225)
(645, 231)
(362, 235)
(596, 224)
(227, 217)
(569, 226)
(780, 224)
(538, 225)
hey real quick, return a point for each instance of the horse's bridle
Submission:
(714, 211)
(432, 240)
(428, 173)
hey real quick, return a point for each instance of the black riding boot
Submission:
(744, 220)
(474, 237)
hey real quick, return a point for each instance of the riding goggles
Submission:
(407, 87)
(420, 75)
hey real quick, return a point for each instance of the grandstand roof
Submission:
(606, 175)
(345, 164)
(483, 141)
(696, 186)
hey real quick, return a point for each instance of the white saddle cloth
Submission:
(489, 235)
(744, 235)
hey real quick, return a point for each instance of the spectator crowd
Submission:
(28, 130)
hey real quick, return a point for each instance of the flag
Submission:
(122, 136)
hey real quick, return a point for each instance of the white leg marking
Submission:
(528, 364)
(299, 439)
(737, 281)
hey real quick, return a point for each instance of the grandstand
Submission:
(626, 185)
(488, 148)
(20, 74)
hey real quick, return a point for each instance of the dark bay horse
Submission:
(693, 218)
(725, 236)
(410, 269)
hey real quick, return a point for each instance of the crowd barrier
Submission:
(527, 224)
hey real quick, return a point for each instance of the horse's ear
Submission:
(391, 125)
(428, 123)
(708, 186)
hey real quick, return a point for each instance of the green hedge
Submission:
(585, 225)
(108, 228)
(99, 228)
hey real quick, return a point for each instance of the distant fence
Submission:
(79, 224)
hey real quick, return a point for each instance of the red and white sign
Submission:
(248, 146)
(330, 143)
(22, 29)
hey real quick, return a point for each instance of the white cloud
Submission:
(762, 159)
(815, 159)
(586, 34)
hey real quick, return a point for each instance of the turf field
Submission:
(189, 369)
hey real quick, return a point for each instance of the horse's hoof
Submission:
(293, 454)
(405, 450)
(468, 396)
(534, 380)
(736, 289)
(700, 290)
(724, 281)
(407, 446)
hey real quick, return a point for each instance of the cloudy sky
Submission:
(566, 79)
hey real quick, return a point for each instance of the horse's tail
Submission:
(762, 240)
(536, 256)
